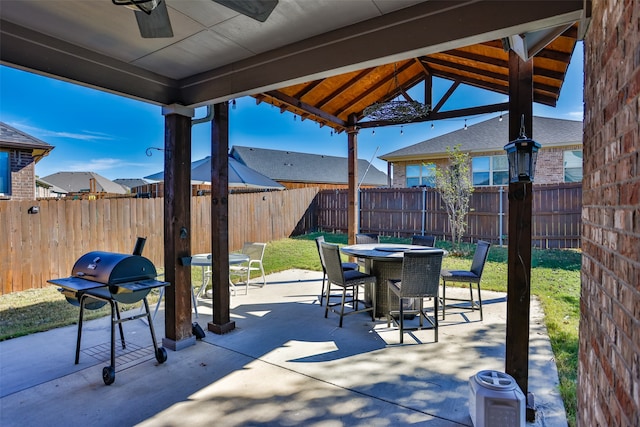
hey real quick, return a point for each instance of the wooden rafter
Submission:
(485, 65)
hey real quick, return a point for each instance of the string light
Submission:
(432, 126)
(373, 132)
(465, 124)
(295, 117)
(500, 119)
(233, 104)
(401, 131)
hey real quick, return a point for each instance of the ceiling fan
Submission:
(153, 17)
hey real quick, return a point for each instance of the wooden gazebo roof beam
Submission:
(345, 87)
(308, 88)
(296, 104)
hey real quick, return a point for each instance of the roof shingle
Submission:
(493, 134)
(303, 167)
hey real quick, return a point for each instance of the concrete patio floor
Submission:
(283, 365)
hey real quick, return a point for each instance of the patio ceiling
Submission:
(323, 61)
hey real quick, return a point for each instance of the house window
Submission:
(424, 174)
(5, 174)
(490, 170)
(573, 166)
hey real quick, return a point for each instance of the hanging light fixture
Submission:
(394, 109)
(522, 154)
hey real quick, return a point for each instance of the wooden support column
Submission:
(220, 220)
(353, 208)
(177, 226)
(519, 251)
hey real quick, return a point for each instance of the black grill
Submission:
(99, 278)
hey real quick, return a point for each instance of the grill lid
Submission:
(111, 268)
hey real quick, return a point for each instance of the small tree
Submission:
(455, 187)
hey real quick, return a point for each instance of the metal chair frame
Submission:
(255, 252)
(424, 240)
(473, 276)
(346, 280)
(420, 279)
(346, 266)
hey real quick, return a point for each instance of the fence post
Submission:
(423, 217)
(500, 215)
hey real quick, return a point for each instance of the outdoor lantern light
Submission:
(522, 154)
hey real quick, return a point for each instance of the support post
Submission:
(177, 226)
(519, 250)
(220, 220)
(353, 207)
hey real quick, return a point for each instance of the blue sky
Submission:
(100, 132)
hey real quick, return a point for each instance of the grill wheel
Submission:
(161, 355)
(108, 375)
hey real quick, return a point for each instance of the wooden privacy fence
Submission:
(38, 247)
(402, 212)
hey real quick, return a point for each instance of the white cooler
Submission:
(495, 400)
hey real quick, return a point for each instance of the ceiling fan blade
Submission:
(155, 24)
(256, 9)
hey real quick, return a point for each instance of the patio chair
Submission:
(420, 279)
(424, 240)
(472, 276)
(255, 252)
(346, 266)
(363, 238)
(346, 280)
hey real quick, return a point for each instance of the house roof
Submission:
(131, 182)
(303, 167)
(11, 137)
(74, 182)
(492, 134)
(50, 186)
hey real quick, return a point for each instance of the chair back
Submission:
(362, 238)
(424, 240)
(255, 251)
(421, 273)
(332, 262)
(319, 240)
(480, 257)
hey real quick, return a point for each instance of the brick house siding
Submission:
(23, 175)
(609, 356)
(24, 152)
(549, 168)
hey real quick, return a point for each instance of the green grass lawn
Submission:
(555, 280)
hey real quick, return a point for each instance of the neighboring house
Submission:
(84, 182)
(46, 190)
(298, 170)
(559, 159)
(19, 153)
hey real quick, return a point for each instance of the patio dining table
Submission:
(383, 260)
(204, 261)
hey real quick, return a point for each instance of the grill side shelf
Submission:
(76, 284)
(138, 285)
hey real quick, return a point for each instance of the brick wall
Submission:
(22, 175)
(609, 361)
